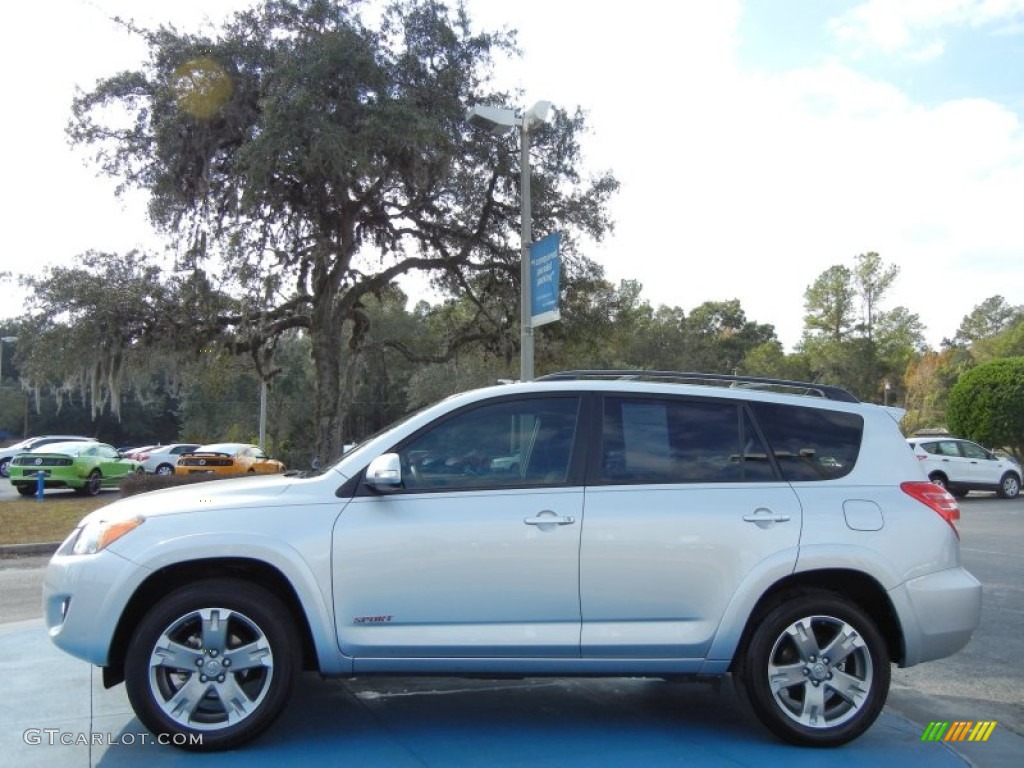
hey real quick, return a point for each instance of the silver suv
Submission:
(590, 523)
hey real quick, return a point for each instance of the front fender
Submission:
(305, 565)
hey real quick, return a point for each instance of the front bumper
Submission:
(939, 612)
(83, 599)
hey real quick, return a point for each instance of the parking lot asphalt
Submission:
(55, 711)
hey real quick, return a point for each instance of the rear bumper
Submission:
(939, 612)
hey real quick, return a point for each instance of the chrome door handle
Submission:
(765, 517)
(549, 518)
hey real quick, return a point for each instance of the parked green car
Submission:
(86, 467)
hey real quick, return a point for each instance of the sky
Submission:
(758, 142)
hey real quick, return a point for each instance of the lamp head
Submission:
(538, 113)
(495, 120)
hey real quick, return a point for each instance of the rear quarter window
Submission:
(811, 443)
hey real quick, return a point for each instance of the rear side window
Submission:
(653, 440)
(811, 443)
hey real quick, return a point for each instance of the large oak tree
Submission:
(313, 151)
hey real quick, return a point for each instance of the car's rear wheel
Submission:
(93, 484)
(5, 467)
(1009, 486)
(815, 670)
(212, 664)
(939, 479)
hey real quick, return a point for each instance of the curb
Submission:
(28, 550)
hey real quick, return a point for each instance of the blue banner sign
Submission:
(545, 267)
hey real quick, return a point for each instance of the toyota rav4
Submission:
(590, 523)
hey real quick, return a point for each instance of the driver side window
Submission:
(514, 443)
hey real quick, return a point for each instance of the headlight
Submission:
(98, 535)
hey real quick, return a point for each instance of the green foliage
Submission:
(769, 360)
(989, 319)
(859, 354)
(1008, 342)
(926, 383)
(987, 404)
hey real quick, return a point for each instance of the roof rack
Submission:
(712, 379)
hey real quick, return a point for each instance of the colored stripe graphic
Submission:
(959, 730)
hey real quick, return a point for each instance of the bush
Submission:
(134, 484)
(987, 405)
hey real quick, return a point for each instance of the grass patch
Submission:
(27, 521)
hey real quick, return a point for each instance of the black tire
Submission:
(786, 668)
(1009, 486)
(26, 490)
(93, 484)
(197, 655)
(940, 480)
(164, 470)
(5, 467)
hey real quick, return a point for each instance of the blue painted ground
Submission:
(420, 723)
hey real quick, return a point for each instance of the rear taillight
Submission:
(936, 497)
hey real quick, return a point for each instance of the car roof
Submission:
(222, 447)
(71, 447)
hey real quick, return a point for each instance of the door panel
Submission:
(685, 503)
(658, 566)
(983, 470)
(459, 574)
(477, 555)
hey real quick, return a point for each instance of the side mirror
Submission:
(384, 472)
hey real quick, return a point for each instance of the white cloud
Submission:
(914, 27)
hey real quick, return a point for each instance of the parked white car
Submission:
(618, 524)
(162, 459)
(961, 466)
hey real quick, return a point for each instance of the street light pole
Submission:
(498, 120)
(525, 210)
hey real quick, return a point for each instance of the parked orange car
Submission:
(227, 459)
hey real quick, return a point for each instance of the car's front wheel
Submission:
(212, 664)
(26, 490)
(166, 470)
(1009, 486)
(815, 670)
(5, 467)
